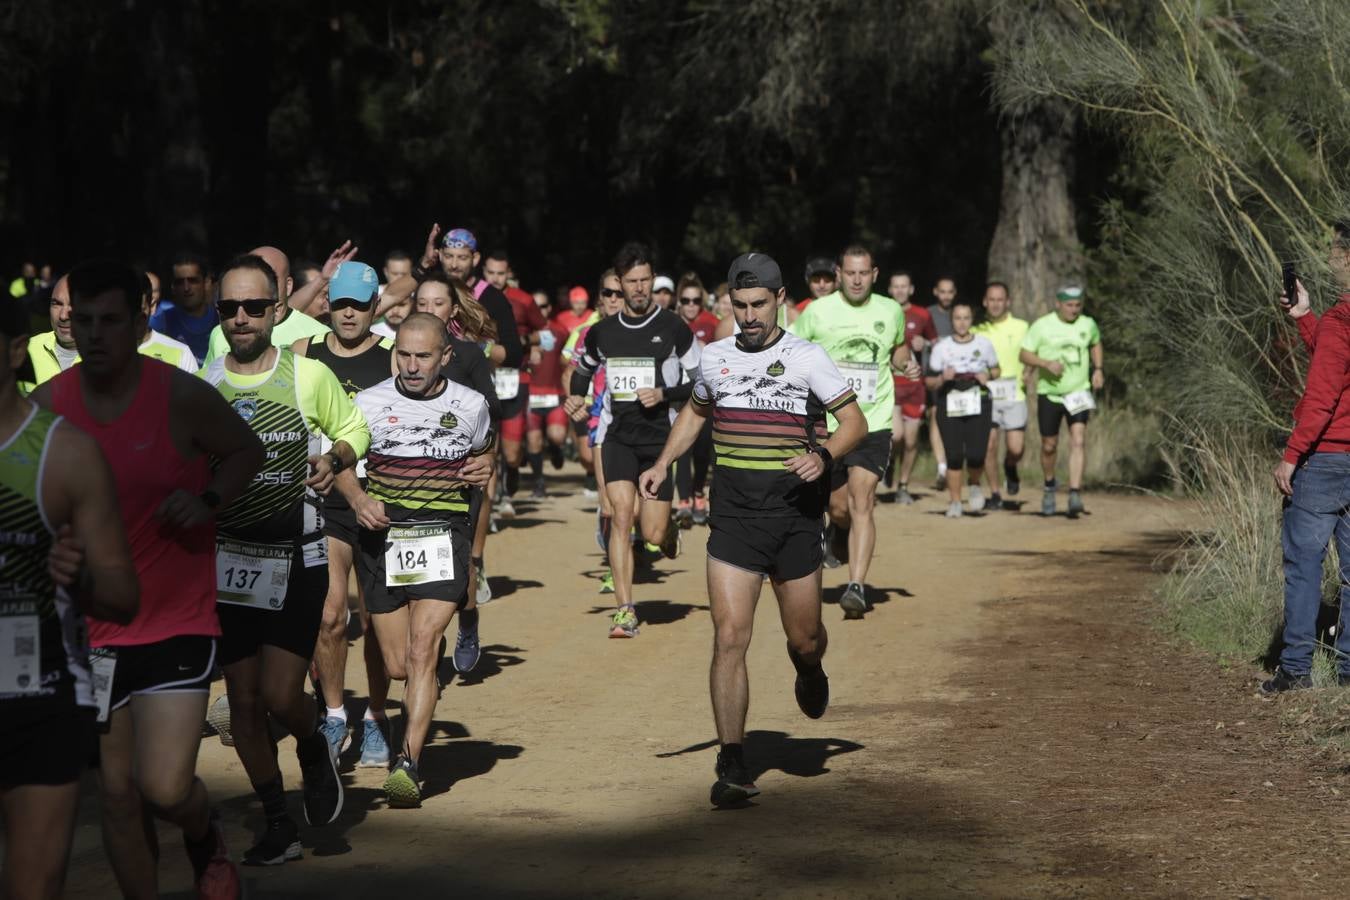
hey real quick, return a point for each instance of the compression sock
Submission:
(273, 797)
(512, 480)
(468, 620)
(536, 461)
(734, 752)
(1010, 472)
(1050, 484)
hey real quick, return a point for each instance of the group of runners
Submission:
(191, 482)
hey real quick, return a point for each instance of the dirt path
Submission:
(1004, 723)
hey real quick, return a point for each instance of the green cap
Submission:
(1069, 292)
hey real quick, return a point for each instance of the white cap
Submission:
(663, 283)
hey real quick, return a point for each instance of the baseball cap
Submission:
(663, 283)
(819, 265)
(14, 323)
(1069, 292)
(458, 238)
(578, 293)
(353, 281)
(752, 270)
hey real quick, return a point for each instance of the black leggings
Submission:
(691, 470)
(966, 439)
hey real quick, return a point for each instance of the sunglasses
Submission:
(350, 303)
(685, 301)
(610, 292)
(255, 309)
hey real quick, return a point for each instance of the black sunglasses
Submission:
(255, 309)
(350, 303)
(690, 300)
(610, 292)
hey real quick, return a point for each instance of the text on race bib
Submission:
(418, 554)
(963, 403)
(1003, 389)
(253, 575)
(1079, 401)
(506, 382)
(626, 375)
(20, 654)
(862, 378)
(544, 401)
(103, 662)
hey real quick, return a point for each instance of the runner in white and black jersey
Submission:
(767, 392)
(650, 357)
(431, 439)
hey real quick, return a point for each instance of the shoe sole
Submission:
(221, 723)
(808, 713)
(854, 607)
(368, 763)
(337, 810)
(401, 791)
(618, 632)
(725, 794)
(290, 853)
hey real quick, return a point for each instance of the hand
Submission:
(948, 374)
(478, 469)
(1054, 368)
(650, 397)
(322, 474)
(1098, 379)
(370, 513)
(912, 369)
(429, 255)
(917, 343)
(183, 509)
(575, 407)
(66, 557)
(536, 357)
(1302, 307)
(342, 254)
(650, 481)
(982, 377)
(808, 467)
(1284, 478)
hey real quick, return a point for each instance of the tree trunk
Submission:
(1035, 246)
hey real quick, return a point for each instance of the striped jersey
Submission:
(768, 406)
(419, 444)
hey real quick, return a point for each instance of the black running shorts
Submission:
(384, 598)
(45, 744)
(176, 665)
(339, 519)
(627, 462)
(873, 453)
(294, 627)
(783, 548)
(1049, 415)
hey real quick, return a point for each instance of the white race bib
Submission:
(626, 375)
(1003, 389)
(1079, 401)
(252, 574)
(20, 654)
(862, 378)
(506, 382)
(544, 401)
(963, 403)
(103, 661)
(418, 554)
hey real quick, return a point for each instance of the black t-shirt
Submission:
(469, 367)
(355, 373)
(656, 350)
(499, 308)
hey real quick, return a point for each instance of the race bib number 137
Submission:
(252, 574)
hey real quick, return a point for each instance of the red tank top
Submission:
(176, 567)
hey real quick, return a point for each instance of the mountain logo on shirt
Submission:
(878, 326)
(247, 409)
(776, 369)
(449, 421)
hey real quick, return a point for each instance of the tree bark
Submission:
(1035, 246)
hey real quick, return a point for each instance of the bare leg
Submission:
(839, 507)
(732, 594)
(622, 497)
(1077, 454)
(428, 620)
(912, 427)
(799, 609)
(862, 537)
(39, 824)
(1049, 455)
(991, 457)
(935, 438)
(330, 654)
(654, 520)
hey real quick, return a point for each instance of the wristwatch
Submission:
(825, 456)
(210, 498)
(338, 464)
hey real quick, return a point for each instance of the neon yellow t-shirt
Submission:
(1053, 339)
(860, 339)
(1006, 336)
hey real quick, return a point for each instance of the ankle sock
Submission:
(336, 712)
(468, 620)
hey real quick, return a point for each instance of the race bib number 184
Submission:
(418, 554)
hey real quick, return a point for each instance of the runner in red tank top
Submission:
(157, 426)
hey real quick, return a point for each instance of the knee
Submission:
(118, 795)
(395, 669)
(247, 711)
(807, 641)
(860, 503)
(334, 624)
(1049, 444)
(422, 652)
(1077, 441)
(731, 638)
(166, 790)
(277, 698)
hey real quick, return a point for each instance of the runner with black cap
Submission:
(63, 556)
(822, 279)
(767, 392)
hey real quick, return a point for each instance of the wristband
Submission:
(210, 498)
(825, 456)
(419, 271)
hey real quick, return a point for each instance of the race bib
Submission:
(1003, 389)
(506, 382)
(963, 403)
(862, 378)
(20, 654)
(418, 554)
(252, 574)
(1079, 401)
(103, 661)
(544, 401)
(626, 375)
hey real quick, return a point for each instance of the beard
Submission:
(638, 306)
(248, 347)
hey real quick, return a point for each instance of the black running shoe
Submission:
(839, 544)
(1012, 480)
(279, 843)
(813, 693)
(1283, 681)
(322, 789)
(733, 785)
(555, 456)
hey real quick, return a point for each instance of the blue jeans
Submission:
(1318, 510)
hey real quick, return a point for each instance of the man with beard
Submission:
(191, 317)
(290, 324)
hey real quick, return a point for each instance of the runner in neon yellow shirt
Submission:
(864, 333)
(1005, 332)
(1066, 347)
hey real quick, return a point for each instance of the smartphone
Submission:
(1290, 283)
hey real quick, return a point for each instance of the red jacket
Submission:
(1322, 417)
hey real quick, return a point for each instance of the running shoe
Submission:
(1284, 681)
(590, 493)
(607, 582)
(467, 649)
(279, 843)
(700, 509)
(555, 456)
(506, 509)
(494, 524)
(954, 510)
(976, 499)
(646, 554)
(321, 788)
(216, 877)
(374, 743)
(1048, 503)
(672, 542)
(813, 693)
(403, 787)
(1012, 479)
(733, 785)
(482, 590)
(218, 717)
(1075, 504)
(539, 493)
(853, 601)
(839, 543)
(335, 730)
(903, 496)
(994, 502)
(684, 514)
(624, 624)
